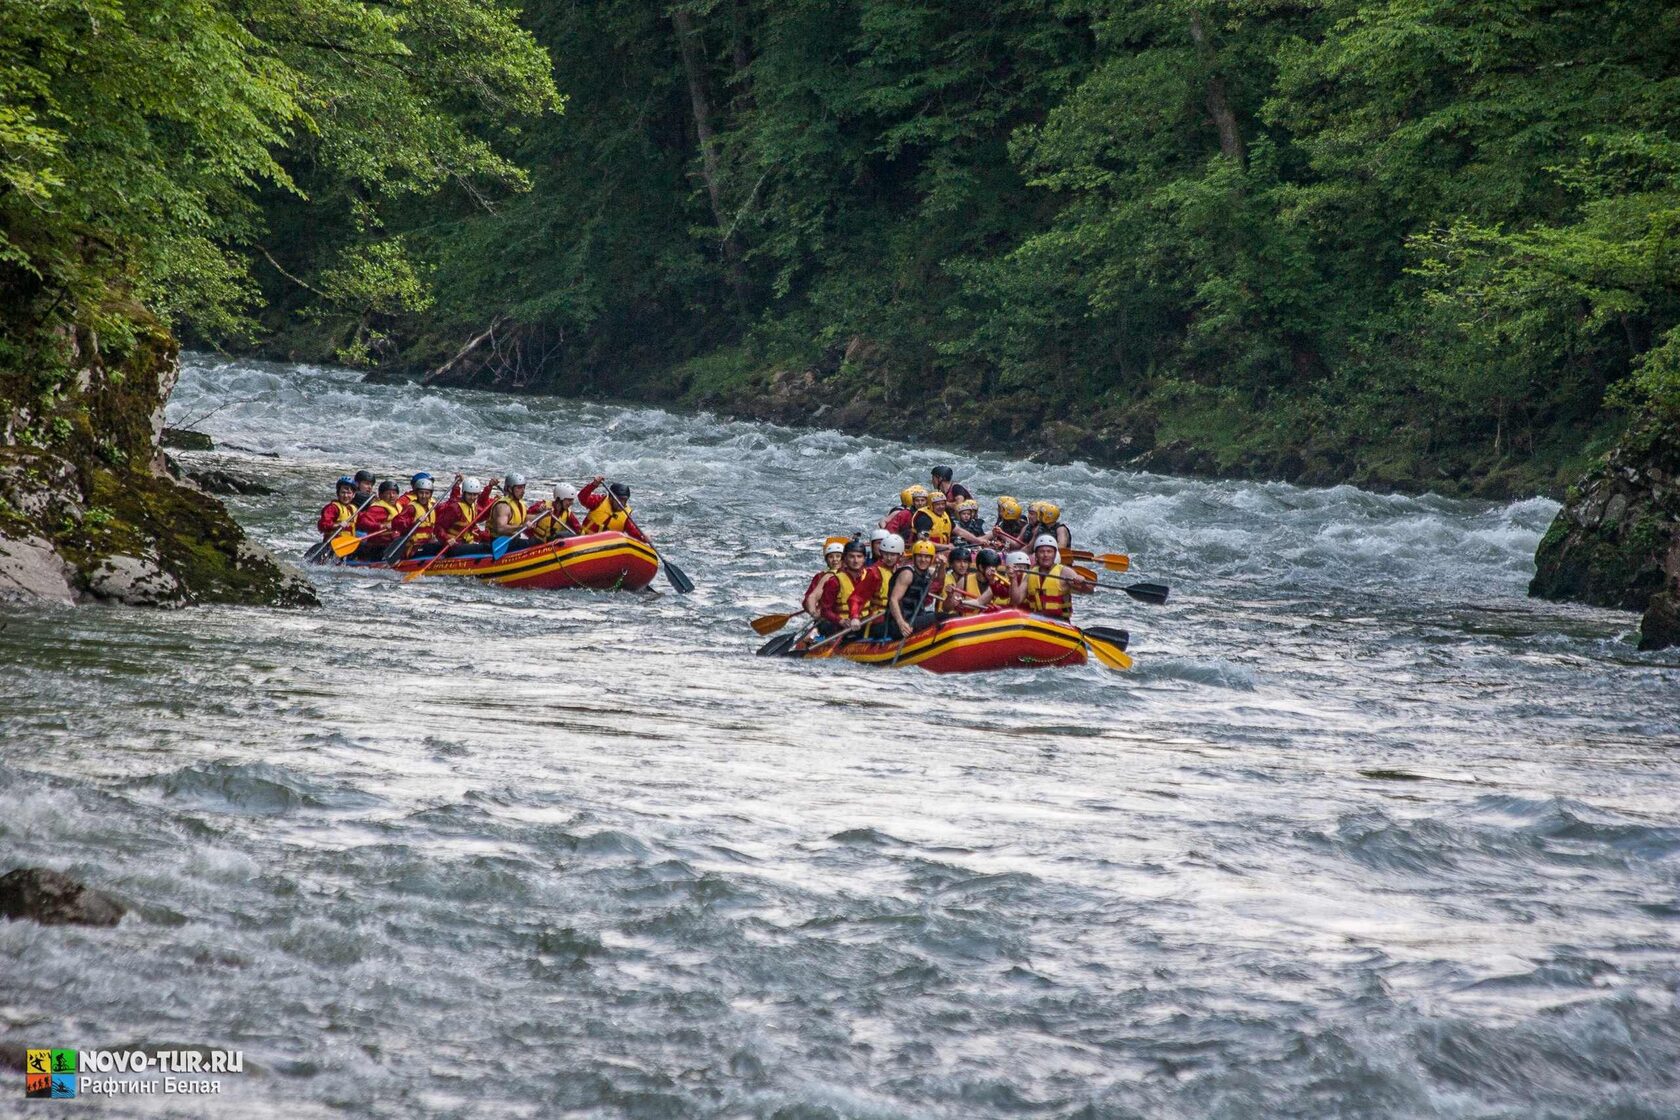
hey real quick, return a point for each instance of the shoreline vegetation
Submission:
(1408, 244)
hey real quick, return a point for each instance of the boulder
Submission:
(185, 439)
(134, 580)
(30, 568)
(55, 899)
(1616, 541)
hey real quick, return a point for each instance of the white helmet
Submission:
(1045, 540)
(892, 543)
(565, 492)
(471, 486)
(834, 549)
(877, 535)
(1017, 560)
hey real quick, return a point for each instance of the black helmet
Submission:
(620, 491)
(989, 558)
(961, 553)
(364, 476)
(389, 486)
(943, 474)
(857, 546)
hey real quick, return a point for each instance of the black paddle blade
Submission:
(1155, 593)
(678, 578)
(314, 553)
(777, 646)
(1110, 635)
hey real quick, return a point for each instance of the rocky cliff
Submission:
(1616, 542)
(88, 508)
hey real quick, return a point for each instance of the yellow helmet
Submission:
(918, 491)
(1036, 508)
(1049, 512)
(904, 496)
(968, 505)
(841, 541)
(1009, 509)
(923, 548)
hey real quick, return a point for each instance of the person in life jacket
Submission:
(899, 520)
(416, 511)
(968, 528)
(954, 491)
(932, 522)
(1010, 532)
(834, 549)
(961, 590)
(364, 488)
(994, 578)
(508, 513)
(374, 523)
(1050, 523)
(876, 536)
(1047, 587)
(339, 515)
(609, 509)
(877, 582)
(556, 520)
(911, 592)
(841, 595)
(466, 501)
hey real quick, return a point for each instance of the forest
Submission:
(1418, 243)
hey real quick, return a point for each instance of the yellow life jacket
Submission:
(1048, 593)
(878, 602)
(516, 511)
(843, 595)
(604, 518)
(346, 518)
(941, 533)
(967, 588)
(390, 509)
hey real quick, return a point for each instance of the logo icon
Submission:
(49, 1073)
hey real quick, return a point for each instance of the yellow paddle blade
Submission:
(770, 623)
(344, 545)
(1115, 561)
(1084, 573)
(1108, 653)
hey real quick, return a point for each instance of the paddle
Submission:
(499, 546)
(433, 559)
(1113, 561)
(1100, 641)
(1152, 593)
(783, 643)
(863, 624)
(391, 553)
(770, 623)
(315, 551)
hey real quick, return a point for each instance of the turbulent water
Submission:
(1365, 832)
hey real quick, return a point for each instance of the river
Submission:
(1365, 833)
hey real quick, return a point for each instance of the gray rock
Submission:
(55, 899)
(1614, 509)
(31, 569)
(135, 581)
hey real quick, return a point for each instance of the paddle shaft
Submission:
(433, 559)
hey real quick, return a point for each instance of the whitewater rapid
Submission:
(1365, 833)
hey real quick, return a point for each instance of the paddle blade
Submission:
(343, 546)
(770, 623)
(1154, 593)
(1110, 634)
(1115, 561)
(778, 645)
(1084, 573)
(499, 547)
(1108, 653)
(678, 579)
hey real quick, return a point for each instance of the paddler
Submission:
(1047, 587)
(415, 507)
(465, 503)
(842, 595)
(609, 509)
(878, 580)
(1010, 532)
(556, 520)
(910, 589)
(1050, 523)
(961, 590)
(931, 522)
(898, 521)
(994, 578)
(508, 513)
(969, 528)
(374, 523)
(339, 515)
(834, 549)
(876, 536)
(954, 491)
(364, 487)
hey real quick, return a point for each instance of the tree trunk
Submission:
(1218, 104)
(694, 67)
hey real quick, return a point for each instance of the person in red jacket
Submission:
(833, 552)
(844, 594)
(609, 509)
(415, 507)
(374, 523)
(468, 498)
(339, 515)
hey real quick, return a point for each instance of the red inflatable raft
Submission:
(596, 561)
(1010, 639)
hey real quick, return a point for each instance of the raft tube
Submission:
(1009, 639)
(595, 561)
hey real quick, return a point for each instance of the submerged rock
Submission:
(55, 899)
(185, 439)
(1616, 542)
